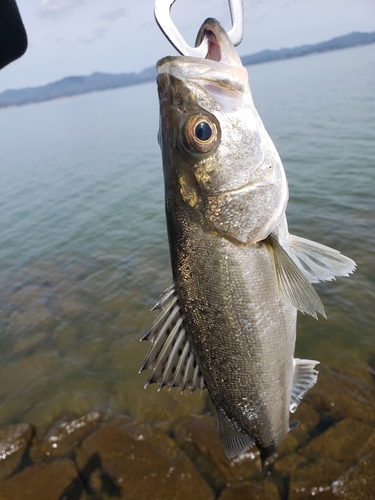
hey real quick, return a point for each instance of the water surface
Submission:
(84, 254)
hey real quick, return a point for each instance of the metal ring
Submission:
(163, 18)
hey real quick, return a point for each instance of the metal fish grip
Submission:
(163, 18)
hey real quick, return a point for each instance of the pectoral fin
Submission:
(170, 357)
(318, 262)
(303, 379)
(293, 284)
(235, 443)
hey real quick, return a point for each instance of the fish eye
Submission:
(201, 133)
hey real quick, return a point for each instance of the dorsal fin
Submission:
(319, 262)
(170, 357)
(293, 284)
(235, 443)
(303, 379)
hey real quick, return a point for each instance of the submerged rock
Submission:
(122, 461)
(199, 437)
(358, 482)
(329, 456)
(56, 481)
(69, 306)
(30, 341)
(149, 405)
(289, 463)
(309, 419)
(340, 394)
(65, 338)
(313, 479)
(341, 442)
(63, 437)
(30, 295)
(329, 461)
(265, 490)
(33, 318)
(14, 440)
(27, 372)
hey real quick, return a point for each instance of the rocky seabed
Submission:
(174, 453)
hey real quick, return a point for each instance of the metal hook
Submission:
(163, 18)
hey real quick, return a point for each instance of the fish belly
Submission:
(242, 332)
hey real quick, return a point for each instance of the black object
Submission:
(13, 38)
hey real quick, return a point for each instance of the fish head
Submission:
(217, 155)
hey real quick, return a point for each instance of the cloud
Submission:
(93, 35)
(54, 8)
(114, 15)
(51, 37)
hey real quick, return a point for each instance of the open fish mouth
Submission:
(220, 46)
(220, 73)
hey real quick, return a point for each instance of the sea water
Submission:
(83, 242)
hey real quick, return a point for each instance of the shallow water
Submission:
(84, 255)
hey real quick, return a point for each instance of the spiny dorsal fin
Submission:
(303, 379)
(170, 357)
(165, 298)
(235, 443)
(319, 262)
(293, 284)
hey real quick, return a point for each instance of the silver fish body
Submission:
(243, 333)
(228, 323)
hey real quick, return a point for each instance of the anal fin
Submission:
(303, 379)
(235, 443)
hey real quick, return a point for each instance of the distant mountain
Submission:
(75, 85)
(340, 42)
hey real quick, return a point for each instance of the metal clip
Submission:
(163, 18)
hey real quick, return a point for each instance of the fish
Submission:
(228, 321)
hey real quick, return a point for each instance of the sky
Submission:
(79, 37)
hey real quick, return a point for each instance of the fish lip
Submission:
(221, 49)
(222, 66)
(250, 186)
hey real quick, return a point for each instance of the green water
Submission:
(84, 255)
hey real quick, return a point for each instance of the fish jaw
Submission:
(222, 63)
(243, 169)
